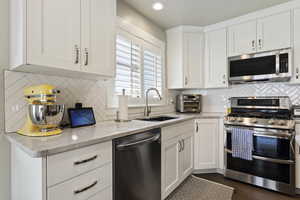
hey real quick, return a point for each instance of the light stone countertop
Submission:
(80, 137)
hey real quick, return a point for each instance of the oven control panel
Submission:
(260, 122)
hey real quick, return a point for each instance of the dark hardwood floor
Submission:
(245, 191)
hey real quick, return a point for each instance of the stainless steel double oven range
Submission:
(273, 163)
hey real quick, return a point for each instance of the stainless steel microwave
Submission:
(261, 67)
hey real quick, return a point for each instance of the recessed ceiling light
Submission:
(157, 6)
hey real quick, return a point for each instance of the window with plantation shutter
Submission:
(152, 77)
(139, 66)
(128, 71)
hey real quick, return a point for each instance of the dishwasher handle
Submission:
(132, 144)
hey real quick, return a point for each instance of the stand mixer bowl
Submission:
(46, 116)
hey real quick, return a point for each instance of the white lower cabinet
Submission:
(177, 155)
(83, 187)
(207, 144)
(81, 174)
(170, 165)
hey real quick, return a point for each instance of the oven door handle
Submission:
(288, 162)
(278, 134)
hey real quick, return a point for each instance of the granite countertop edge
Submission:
(27, 143)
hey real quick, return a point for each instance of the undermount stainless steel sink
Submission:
(157, 119)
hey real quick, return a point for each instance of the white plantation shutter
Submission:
(128, 71)
(139, 66)
(152, 71)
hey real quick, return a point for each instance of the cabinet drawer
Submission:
(178, 129)
(103, 195)
(85, 186)
(64, 166)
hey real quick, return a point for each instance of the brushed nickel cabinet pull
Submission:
(86, 55)
(260, 43)
(86, 188)
(76, 54)
(85, 160)
(186, 81)
(253, 44)
(180, 146)
(183, 144)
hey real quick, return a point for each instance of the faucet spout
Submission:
(147, 107)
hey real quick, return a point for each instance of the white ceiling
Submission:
(198, 12)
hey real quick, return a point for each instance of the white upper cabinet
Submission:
(53, 33)
(98, 37)
(64, 37)
(296, 73)
(274, 32)
(193, 59)
(185, 47)
(264, 34)
(242, 38)
(216, 59)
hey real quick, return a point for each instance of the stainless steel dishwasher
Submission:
(137, 166)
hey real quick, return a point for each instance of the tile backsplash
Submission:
(215, 100)
(93, 94)
(89, 92)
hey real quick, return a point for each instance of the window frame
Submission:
(145, 39)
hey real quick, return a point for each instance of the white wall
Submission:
(132, 16)
(4, 146)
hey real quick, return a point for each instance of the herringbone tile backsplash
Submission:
(93, 93)
(215, 100)
(90, 93)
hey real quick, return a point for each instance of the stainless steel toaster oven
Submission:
(188, 103)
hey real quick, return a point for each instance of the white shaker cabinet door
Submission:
(242, 38)
(98, 37)
(53, 33)
(206, 144)
(193, 45)
(274, 32)
(187, 155)
(216, 59)
(296, 68)
(170, 166)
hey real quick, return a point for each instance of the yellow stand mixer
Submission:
(44, 116)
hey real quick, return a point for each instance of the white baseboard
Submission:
(209, 171)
